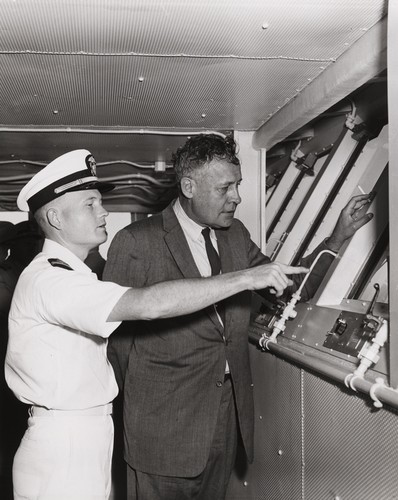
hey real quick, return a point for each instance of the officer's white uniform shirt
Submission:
(56, 355)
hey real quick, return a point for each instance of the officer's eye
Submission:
(90, 202)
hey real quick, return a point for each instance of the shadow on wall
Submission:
(19, 243)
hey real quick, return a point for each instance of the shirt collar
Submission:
(55, 250)
(189, 226)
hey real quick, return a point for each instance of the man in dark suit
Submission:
(186, 381)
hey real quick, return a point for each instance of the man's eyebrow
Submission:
(92, 197)
(234, 182)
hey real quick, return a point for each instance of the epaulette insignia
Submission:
(60, 263)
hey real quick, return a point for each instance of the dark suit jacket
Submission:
(170, 370)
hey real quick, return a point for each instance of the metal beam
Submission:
(363, 61)
(393, 188)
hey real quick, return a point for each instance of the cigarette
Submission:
(360, 189)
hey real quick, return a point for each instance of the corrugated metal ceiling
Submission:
(118, 65)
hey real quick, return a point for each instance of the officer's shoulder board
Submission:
(60, 263)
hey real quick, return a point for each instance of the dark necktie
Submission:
(215, 264)
(212, 254)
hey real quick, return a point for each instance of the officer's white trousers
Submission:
(64, 458)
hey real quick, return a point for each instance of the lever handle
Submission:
(376, 286)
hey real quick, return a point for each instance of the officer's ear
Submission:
(52, 217)
(187, 186)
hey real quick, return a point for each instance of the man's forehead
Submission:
(84, 194)
(222, 163)
(224, 168)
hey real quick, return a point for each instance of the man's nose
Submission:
(234, 196)
(104, 212)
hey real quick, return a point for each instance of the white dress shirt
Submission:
(196, 243)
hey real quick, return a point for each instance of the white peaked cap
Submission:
(73, 171)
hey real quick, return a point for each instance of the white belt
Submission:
(40, 411)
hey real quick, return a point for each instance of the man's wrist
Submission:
(246, 281)
(332, 245)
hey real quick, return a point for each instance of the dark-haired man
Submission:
(187, 381)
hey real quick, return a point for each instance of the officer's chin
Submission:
(103, 237)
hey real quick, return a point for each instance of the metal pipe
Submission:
(118, 130)
(289, 310)
(334, 372)
(369, 355)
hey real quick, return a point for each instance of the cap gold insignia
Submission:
(91, 165)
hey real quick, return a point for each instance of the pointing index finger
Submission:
(295, 270)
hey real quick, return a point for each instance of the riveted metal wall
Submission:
(350, 448)
(276, 471)
(315, 441)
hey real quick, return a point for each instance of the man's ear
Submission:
(187, 186)
(52, 217)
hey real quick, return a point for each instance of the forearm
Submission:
(317, 274)
(177, 298)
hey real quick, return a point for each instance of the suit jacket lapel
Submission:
(179, 249)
